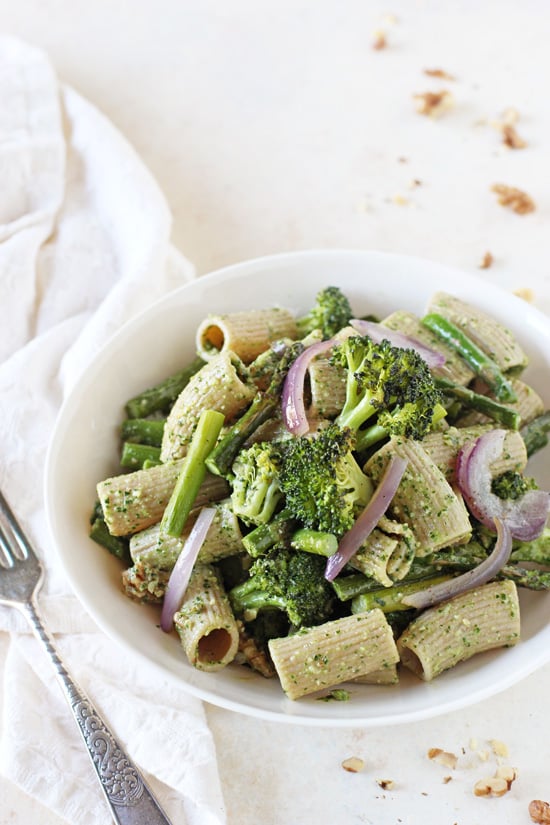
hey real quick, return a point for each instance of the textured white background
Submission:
(274, 126)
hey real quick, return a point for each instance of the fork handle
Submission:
(126, 792)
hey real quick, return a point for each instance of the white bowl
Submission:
(84, 448)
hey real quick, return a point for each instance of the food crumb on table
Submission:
(434, 104)
(520, 202)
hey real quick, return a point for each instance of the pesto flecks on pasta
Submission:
(355, 475)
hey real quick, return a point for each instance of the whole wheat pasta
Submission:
(334, 652)
(443, 448)
(488, 333)
(481, 619)
(216, 386)
(246, 333)
(424, 499)
(134, 501)
(205, 623)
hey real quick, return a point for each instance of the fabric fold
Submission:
(84, 247)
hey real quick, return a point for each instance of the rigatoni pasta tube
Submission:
(247, 333)
(134, 501)
(335, 652)
(484, 618)
(424, 500)
(205, 622)
(216, 386)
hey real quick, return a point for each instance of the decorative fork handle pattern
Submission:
(131, 801)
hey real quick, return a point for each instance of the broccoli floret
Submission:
(256, 490)
(324, 487)
(391, 384)
(289, 580)
(512, 485)
(331, 312)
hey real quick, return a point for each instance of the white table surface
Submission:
(275, 126)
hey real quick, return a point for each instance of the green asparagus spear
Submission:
(143, 431)
(192, 473)
(263, 408)
(134, 456)
(493, 409)
(163, 395)
(278, 531)
(535, 433)
(313, 541)
(390, 599)
(117, 545)
(479, 361)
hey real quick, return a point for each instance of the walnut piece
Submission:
(442, 757)
(526, 293)
(486, 261)
(499, 748)
(496, 785)
(493, 786)
(539, 811)
(441, 73)
(520, 202)
(380, 41)
(511, 138)
(353, 764)
(434, 104)
(386, 784)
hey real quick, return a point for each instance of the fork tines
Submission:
(13, 542)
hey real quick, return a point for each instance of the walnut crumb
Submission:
(499, 748)
(486, 262)
(380, 41)
(511, 138)
(442, 757)
(539, 811)
(433, 104)
(496, 785)
(520, 202)
(386, 784)
(526, 293)
(507, 773)
(440, 73)
(493, 786)
(447, 779)
(354, 764)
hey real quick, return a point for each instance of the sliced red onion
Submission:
(369, 518)
(293, 407)
(179, 577)
(481, 574)
(378, 332)
(525, 516)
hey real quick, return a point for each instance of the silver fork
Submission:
(21, 577)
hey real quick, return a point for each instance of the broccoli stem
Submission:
(477, 360)
(247, 597)
(376, 432)
(498, 412)
(134, 456)
(314, 541)
(535, 433)
(143, 431)
(266, 536)
(192, 473)
(390, 599)
(162, 395)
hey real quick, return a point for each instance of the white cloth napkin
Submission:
(84, 245)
